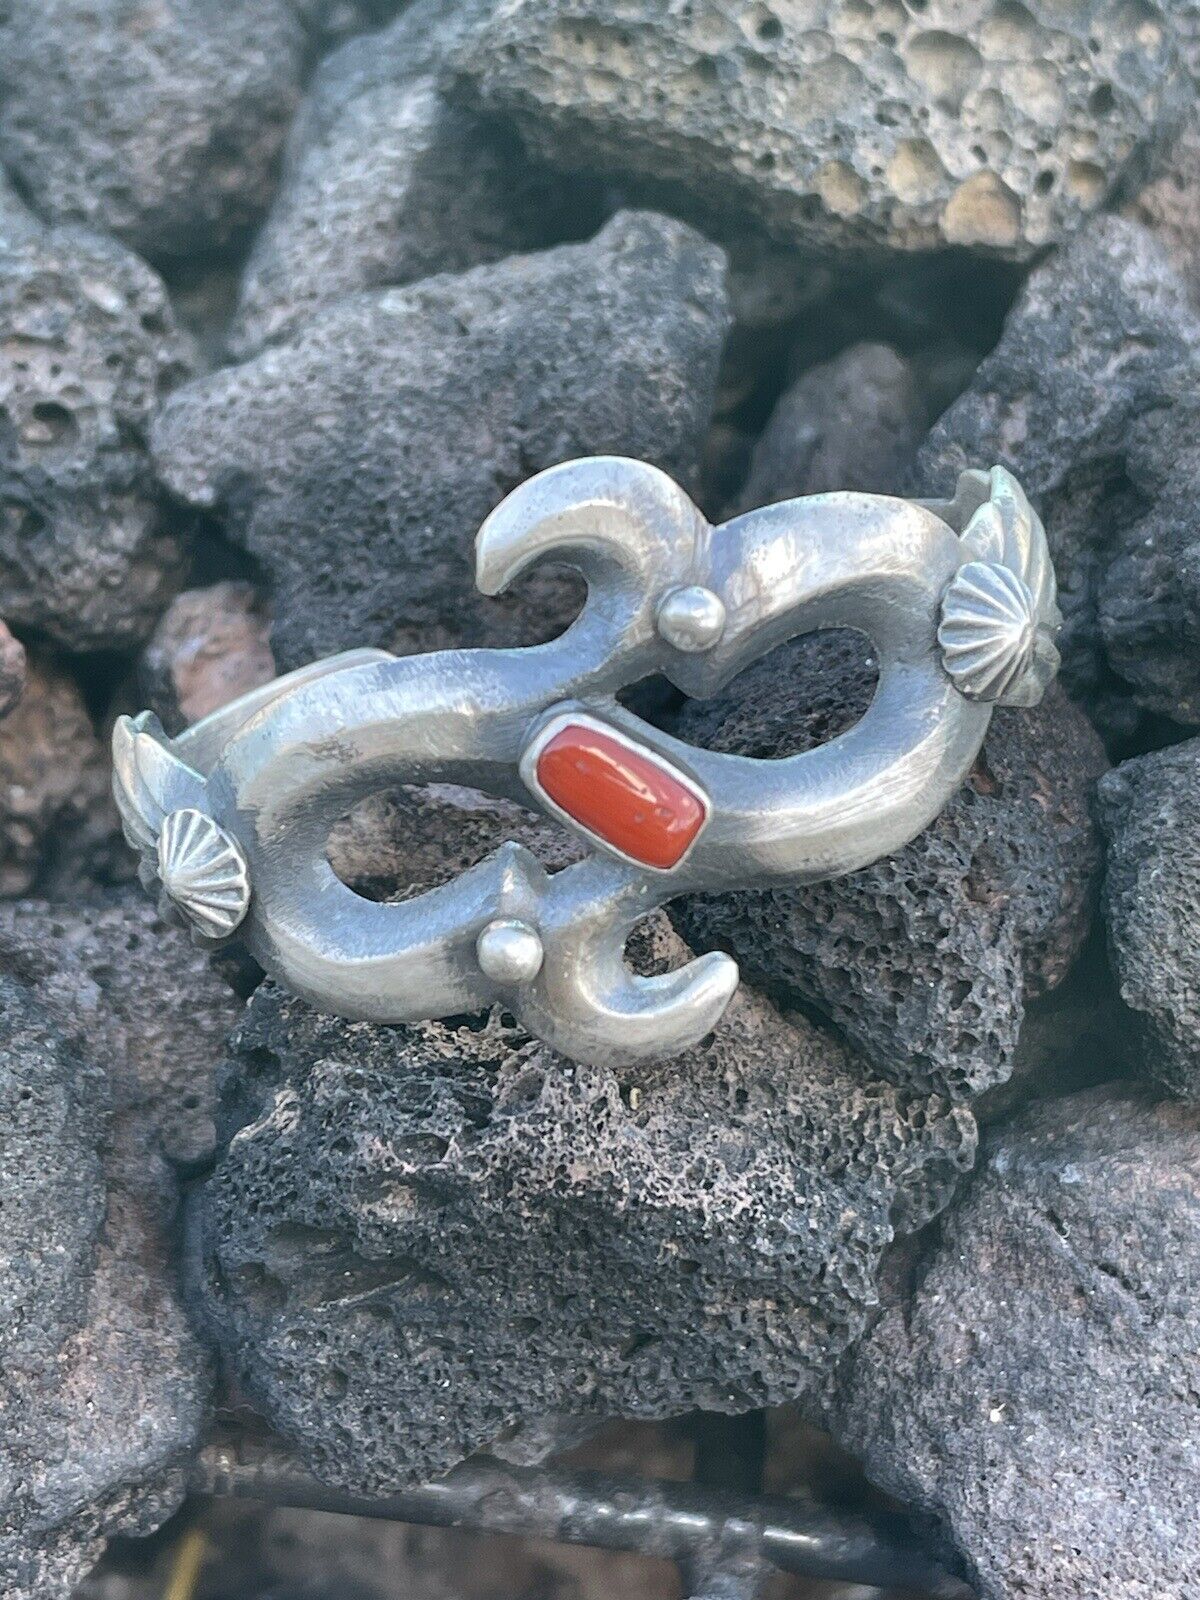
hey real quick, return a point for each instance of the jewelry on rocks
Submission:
(232, 817)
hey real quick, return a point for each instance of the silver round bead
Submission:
(509, 951)
(691, 619)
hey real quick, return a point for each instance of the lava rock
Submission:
(397, 844)
(1032, 1386)
(159, 123)
(330, 21)
(773, 287)
(54, 783)
(17, 223)
(385, 183)
(204, 296)
(419, 1236)
(1092, 398)
(148, 1001)
(770, 284)
(1149, 810)
(12, 670)
(925, 959)
(922, 300)
(1073, 1037)
(357, 460)
(210, 647)
(103, 1386)
(1168, 202)
(90, 347)
(844, 127)
(852, 423)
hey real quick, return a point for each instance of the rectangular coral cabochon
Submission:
(620, 794)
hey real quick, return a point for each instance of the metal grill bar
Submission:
(723, 1542)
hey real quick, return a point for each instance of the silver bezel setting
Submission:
(527, 767)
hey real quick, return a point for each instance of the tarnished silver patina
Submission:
(232, 818)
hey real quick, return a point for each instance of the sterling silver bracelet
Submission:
(232, 817)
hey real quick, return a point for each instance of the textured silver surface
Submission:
(276, 768)
(203, 872)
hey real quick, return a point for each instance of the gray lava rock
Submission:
(90, 347)
(1092, 398)
(210, 646)
(329, 21)
(1168, 202)
(848, 126)
(852, 423)
(417, 1237)
(398, 844)
(54, 782)
(159, 123)
(773, 286)
(924, 960)
(12, 670)
(17, 223)
(1074, 1037)
(1150, 811)
(385, 183)
(1032, 1387)
(357, 460)
(770, 284)
(204, 296)
(102, 1384)
(146, 1000)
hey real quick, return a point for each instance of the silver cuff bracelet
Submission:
(232, 818)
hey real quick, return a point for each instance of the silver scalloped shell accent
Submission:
(149, 780)
(1007, 531)
(988, 631)
(203, 872)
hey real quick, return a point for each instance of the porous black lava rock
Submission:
(210, 646)
(146, 1000)
(357, 460)
(108, 1030)
(1149, 810)
(17, 222)
(995, 126)
(398, 843)
(1168, 201)
(1032, 1386)
(771, 285)
(159, 123)
(924, 960)
(1092, 398)
(417, 1237)
(90, 347)
(1073, 1037)
(12, 670)
(329, 21)
(850, 423)
(385, 183)
(56, 808)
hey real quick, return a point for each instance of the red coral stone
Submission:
(620, 795)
